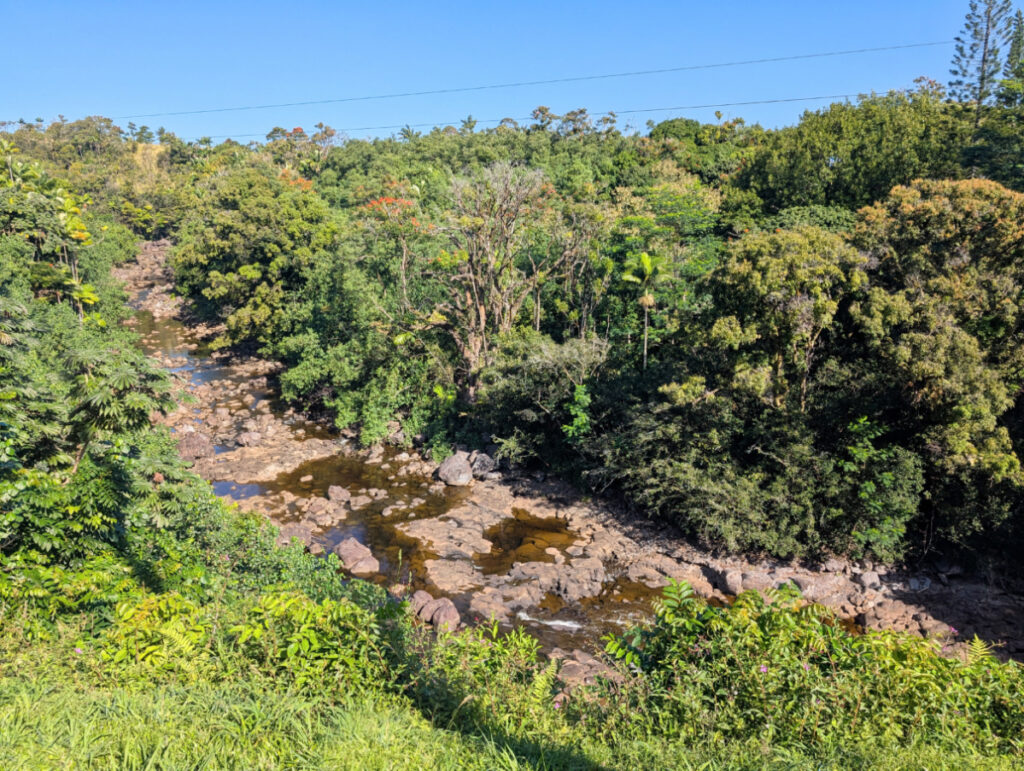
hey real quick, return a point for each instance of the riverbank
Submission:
(519, 548)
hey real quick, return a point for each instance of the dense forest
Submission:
(803, 342)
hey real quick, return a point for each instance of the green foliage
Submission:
(850, 155)
(790, 674)
(316, 644)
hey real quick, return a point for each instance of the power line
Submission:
(608, 112)
(549, 81)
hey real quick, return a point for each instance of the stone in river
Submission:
(338, 494)
(356, 558)
(456, 471)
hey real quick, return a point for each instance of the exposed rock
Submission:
(301, 530)
(578, 578)
(489, 605)
(757, 581)
(733, 581)
(418, 600)
(482, 464)
(453, 576)
(441, 613)
(820, 587)
(869, 579)
(919, 584)
(195, 445)
(456, 471)
(359, 501)
(249, 438)
(356, 558)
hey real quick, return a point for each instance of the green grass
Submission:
(254, 726)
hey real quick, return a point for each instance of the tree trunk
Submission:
(646, 315)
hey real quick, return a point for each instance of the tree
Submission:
(646, 271)
(1011, 88)
(778, 296)
(976, 63)
(499, 250)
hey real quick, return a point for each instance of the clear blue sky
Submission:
(121, 59)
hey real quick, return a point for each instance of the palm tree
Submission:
(646, 271)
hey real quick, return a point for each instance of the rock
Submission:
(576, 579)
(316, 549)
(318, 505)
(733, 582)
(920, 584)
(359, 502)
(482, 465)
(453, 576)
(338, 494)
(301, 530)
(446, 618)
(489, 605)
(195, 445)
(757, 581)
(249, 438)
(869, 579)
(356, 558)
(306, 478)
(441, 613)
(456, 471)
(418, 600)
(817, 587)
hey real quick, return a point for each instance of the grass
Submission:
(253, 726)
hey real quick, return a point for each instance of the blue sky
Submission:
(124, 59)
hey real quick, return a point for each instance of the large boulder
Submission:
(456, 471)
(195, 445)
(356, 558)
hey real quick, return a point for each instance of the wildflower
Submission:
(79, 651)
(953, 630)
(764, 668)
(807, 667)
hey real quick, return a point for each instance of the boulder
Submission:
(456, 471)
(356, 558)
(733, 582)
(441, 613)
(418, 600)
(195, 445)
(482, 465)
(869, 579)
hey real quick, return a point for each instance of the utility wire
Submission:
(609, 112)
(550, 81)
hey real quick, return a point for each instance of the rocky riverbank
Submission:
(488, 542)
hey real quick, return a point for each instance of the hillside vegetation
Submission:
(802, 342)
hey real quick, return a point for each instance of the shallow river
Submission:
(520, 538)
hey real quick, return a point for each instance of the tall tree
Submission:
(1011, 88)
(976, 63)
(646, 270)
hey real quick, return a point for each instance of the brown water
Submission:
(520, 538)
